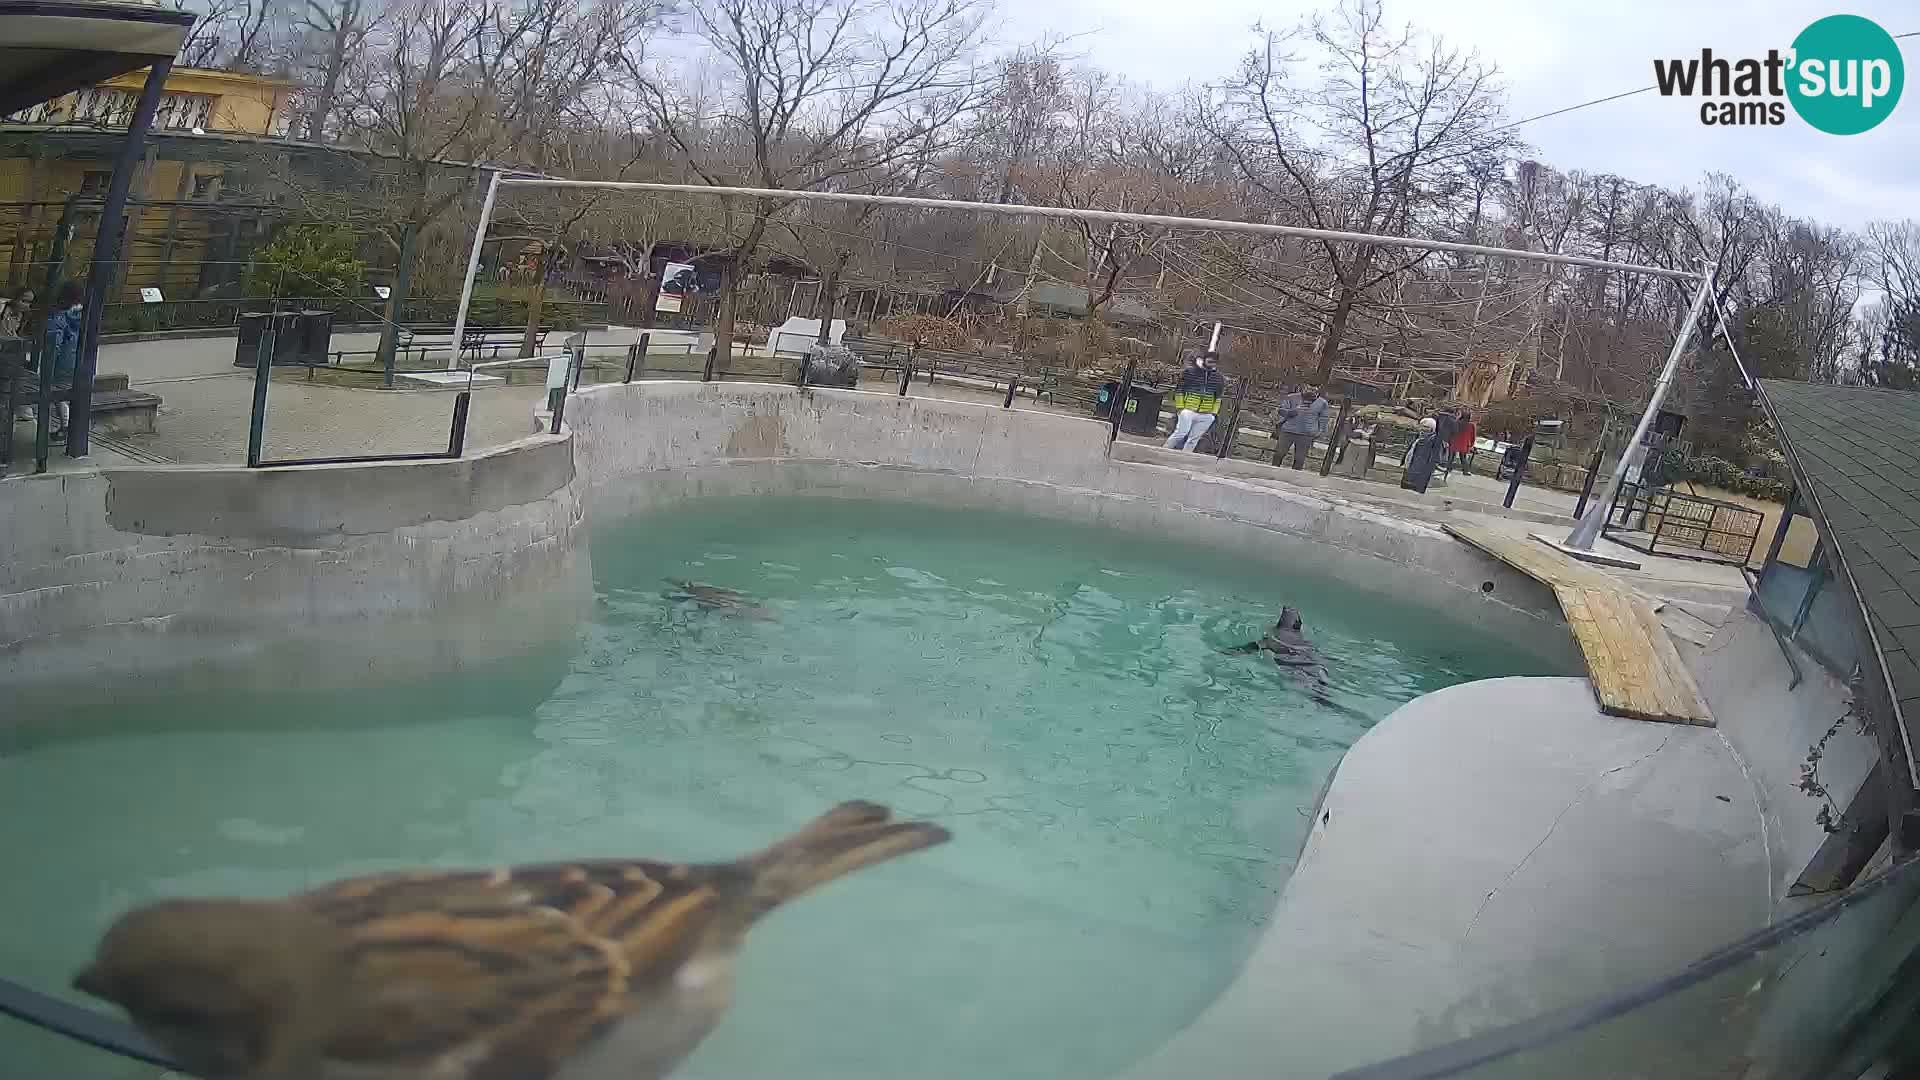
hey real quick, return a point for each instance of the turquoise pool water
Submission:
(1126, 798)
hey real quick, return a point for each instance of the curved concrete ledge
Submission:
(233, 577)
(1485, 854)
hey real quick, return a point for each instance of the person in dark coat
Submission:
(1423, 457)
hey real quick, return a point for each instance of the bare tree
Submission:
(1377, 144)
(334, 32)
(812, 93)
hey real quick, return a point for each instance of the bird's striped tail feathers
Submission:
(848, 837)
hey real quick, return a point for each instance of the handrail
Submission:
(79, 1023)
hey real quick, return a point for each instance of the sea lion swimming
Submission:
(715, 598)
(1287, 644)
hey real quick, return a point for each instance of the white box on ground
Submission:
(796, 334)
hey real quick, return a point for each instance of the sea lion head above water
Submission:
(1289, 621)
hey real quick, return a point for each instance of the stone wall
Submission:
(216, 575)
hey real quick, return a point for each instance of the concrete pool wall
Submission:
(319, 575)
(643, 446)
(1485, 852)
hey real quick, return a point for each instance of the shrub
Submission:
(308, 261)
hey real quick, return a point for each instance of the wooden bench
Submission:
(117, 408)
(473, 339)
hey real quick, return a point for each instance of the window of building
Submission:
(93, 183)
(205, 186)
(1801, 595)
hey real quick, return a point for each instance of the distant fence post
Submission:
(457, 437)
(1118, 409)
(636, 357)
(1520, 470)
(1013, 384)
(262, 371)
(1333, 437)
(1232, 431)
(906, 367)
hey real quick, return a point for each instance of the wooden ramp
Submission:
(1635, 669)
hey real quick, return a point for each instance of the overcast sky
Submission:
(1554, 54)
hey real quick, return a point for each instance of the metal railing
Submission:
(1682, 526)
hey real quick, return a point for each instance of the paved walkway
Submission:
(206, 402)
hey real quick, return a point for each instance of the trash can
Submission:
(1142, 415)
(246, 347)
(315, 338)
(286, 341)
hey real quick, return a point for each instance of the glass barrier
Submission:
(1822, 994)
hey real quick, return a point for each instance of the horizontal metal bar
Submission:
(79, 1023)
(354, 459)
(1257, 228)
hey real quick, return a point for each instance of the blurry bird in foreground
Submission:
(609, 968)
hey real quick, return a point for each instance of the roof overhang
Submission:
(53, 47)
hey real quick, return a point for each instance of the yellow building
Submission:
(207, 122)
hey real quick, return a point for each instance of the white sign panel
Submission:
(150, 295)
(676, 282)
(382, 291)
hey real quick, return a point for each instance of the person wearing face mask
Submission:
(63, 349)
(1197, 399)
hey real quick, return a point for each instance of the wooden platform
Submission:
(1631, 661)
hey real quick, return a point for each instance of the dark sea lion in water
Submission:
(715, 598)
(1287, 644)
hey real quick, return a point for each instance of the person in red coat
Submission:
(1461, 448)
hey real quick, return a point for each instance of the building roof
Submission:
(51, 47)
(1854, 451)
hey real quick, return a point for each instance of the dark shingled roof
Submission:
(1857, 450)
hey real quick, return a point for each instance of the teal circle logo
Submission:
(1846, 75)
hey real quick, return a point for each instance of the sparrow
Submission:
(605, 969)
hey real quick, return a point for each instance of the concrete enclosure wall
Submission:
(646, 445)
(230, 577)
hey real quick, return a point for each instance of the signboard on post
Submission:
(676, 281)
(151, 295)
(382, 291)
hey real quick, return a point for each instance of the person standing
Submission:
(15, 322)
(1197, 400)
(1464, 434)
(1303, 417)
(63, 350)
(1423, 456)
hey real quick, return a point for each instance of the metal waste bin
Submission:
(285, 326)
(314, 337)
(1142, 415)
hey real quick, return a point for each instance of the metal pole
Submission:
(1257, 228)
(457, 438)
(473, 270)
(1333, 440)
(906, 368)
(108, 252)
(1588, 529)
(1593, 468)
(1213, 343)
(1118, 408)
(637, 356)
(1519, 470)
(1013, 384)
(262, 371)
(1232, 431)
